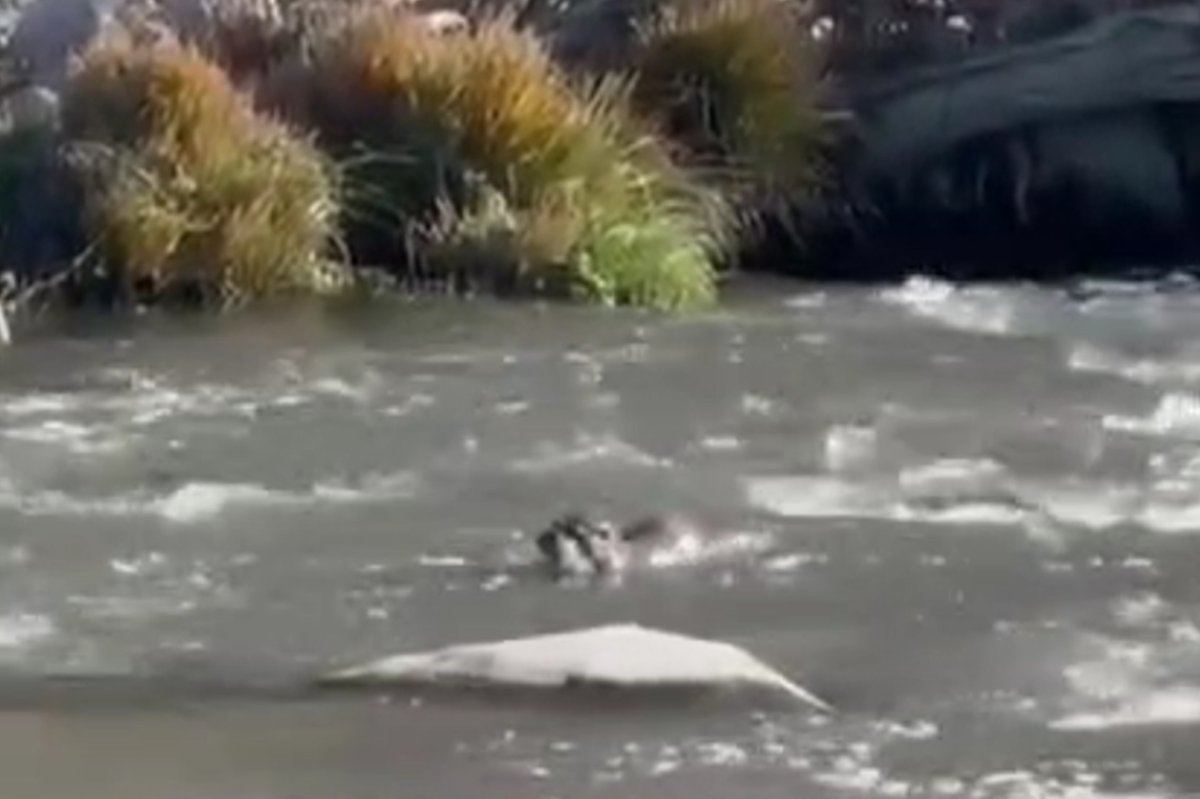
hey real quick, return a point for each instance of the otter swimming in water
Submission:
(575, 545)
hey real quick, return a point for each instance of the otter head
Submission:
(575, 545)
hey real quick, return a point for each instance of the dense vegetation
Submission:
(258, 156)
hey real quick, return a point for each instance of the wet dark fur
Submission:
(603, 546)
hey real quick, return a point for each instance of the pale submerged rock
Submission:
(621, 655)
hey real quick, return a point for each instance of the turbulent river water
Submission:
(967, 517)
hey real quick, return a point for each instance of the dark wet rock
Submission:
(1073, 154)
(49, 33)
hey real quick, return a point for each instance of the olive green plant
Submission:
(477, 147)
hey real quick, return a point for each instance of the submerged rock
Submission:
(617, 656)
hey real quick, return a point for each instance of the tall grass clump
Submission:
(737, 82)
(188, 192)
(481, 159)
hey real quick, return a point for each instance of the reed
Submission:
(476, 147)
(738, 83)
(190, 193)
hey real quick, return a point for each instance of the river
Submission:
(968, 517)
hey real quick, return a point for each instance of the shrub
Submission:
(188, 191)
(481, 156)
(737, 83)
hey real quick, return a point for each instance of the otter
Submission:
(576, 545)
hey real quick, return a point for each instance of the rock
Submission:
(50, 33)
(617, 656)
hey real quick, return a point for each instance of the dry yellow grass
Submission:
(440, 116)
(738, 82)
(188, 189)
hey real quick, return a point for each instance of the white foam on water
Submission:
(849, 773)
(1177, 415)
(758, 405)
(722, 753)
(134, 608)
(954, 477)
(410, 404)
(373, 487)
(1090, 359)
(1079, 782)
(139, 565)
(443, 561)
(161, 402)
(1170, 504)
(1170, 517)
(816, 497)
(1179, 465)
(813, 339)
(58, 503)
(697, 549)
(198, 502)
(103, 418)
(587, 449)
(807, 301)
(1166, 706)
(980, 491)
(1083, 504)
(339, 388)
(985, 514)
(793, 561)
(1140, 682)
(511, 407)
(936, 494)
(918, 730)
(36, 404)
(973, 310)
(95, 422)
(1140, 610)
(76, 438)
(721, 443)
(851, 448)
(22, 631)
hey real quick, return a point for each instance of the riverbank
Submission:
(256, 153)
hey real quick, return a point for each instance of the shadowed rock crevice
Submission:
(1074, 154)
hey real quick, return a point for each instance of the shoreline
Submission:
(530, 187)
